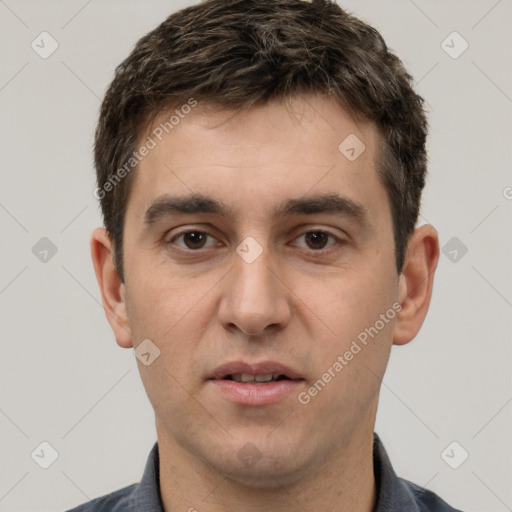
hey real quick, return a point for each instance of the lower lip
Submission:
(256, 394)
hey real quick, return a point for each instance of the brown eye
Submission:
(317, 240)
(192, 240)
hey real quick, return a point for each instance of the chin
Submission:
(272, 467)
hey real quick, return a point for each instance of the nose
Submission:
(255, 301)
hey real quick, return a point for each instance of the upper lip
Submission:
(260, 368)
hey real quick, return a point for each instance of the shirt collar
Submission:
(146, 497)
(392, 492)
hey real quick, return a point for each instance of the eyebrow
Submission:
(167, 205)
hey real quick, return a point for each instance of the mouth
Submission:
(256, 379)
(263, 371)
(255, 384)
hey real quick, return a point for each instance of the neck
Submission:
(344, 483)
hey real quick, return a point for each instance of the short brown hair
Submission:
(240, 53)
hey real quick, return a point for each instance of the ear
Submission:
(416, 282)
(112, 289)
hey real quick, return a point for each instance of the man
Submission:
(260, 167)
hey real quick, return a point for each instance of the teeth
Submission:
(245, 377)
(263, 378)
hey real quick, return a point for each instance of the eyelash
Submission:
(337, 240)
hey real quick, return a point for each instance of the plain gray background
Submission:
(64, 380)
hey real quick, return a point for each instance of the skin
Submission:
(295, 304)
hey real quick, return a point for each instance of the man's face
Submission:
(260, 285)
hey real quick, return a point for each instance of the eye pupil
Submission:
(194, 239)
(317, 238)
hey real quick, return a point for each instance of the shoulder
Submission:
(426, 500)
(117, 501)
(141, 497)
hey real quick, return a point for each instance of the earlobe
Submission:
(111, 287)
(416, 283)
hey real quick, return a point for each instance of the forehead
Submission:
(256, 157)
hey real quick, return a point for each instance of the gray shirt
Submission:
(393, 494)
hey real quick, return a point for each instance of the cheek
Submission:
(351, 300)
(160, 302)
(173, 313)
(358, 309)
(162, 313)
